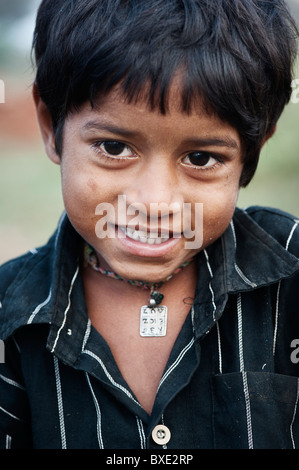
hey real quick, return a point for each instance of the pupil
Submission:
(114, 148)
(199, 159)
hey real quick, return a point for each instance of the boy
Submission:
(158, 316)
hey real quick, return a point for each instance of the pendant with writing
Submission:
(153, 320)
(153, 317)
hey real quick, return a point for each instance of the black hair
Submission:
(236, 55)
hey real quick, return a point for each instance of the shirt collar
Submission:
(69, 319)
(254, 257)
(47, 289)
(245, 258)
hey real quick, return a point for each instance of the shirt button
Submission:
(161, 434)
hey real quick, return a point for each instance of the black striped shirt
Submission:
(231, 380)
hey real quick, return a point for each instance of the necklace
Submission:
(153, 316)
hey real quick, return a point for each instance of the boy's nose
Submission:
(156, 187)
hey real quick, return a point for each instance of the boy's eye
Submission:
(201, 159)
(115, 149)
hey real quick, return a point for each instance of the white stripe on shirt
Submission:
(39, 307)
(67, 308)
(98, 412)
(278, 290)
(214, 311)
(60, 403)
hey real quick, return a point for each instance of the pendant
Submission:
(153, 320)
(153, 317)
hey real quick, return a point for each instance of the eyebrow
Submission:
(218, 142)
(90, 125)
(225, 141)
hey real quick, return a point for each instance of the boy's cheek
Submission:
(81, 198)
(215, 225)
(218, 210)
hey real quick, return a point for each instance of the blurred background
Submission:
(30, 197)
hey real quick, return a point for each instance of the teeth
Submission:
(143, 237)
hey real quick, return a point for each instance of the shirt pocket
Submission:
(255, 410)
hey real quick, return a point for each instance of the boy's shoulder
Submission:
(23, 281)
(262, 247)
(17, 269)
(35, 266)
(33, 281)
(281, 226)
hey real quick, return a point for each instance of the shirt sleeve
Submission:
(15, 428)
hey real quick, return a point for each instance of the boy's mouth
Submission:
(140, 242)
(153, 237)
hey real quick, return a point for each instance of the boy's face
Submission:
(121, 161)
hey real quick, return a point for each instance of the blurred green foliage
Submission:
(276, 182)
(30, 199)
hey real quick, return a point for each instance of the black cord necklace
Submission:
(153, 316)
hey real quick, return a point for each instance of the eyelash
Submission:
(219, 162)
(116, 159)
(107, 157)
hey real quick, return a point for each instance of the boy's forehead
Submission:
(144, 98)
(116, 107)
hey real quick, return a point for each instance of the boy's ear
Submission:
(45, 125)
(268, 136)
